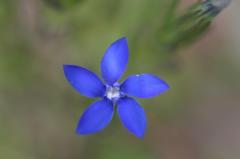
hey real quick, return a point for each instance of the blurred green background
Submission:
(198, 118)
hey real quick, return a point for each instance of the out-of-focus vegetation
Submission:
(197, 54)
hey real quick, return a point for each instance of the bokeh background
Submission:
(198, 118)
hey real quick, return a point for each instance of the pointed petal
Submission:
(144, 86)
(84, 81)
(96, 117)
(132, 116)
(115, 61)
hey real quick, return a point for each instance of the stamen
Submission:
(113, 93)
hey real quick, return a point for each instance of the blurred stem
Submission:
(170, 13)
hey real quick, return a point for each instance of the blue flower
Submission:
(99, 114)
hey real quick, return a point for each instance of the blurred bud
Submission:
(62, 4)
(186, 28)
(213, 7)
(220, 4)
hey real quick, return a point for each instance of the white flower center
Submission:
(113, 93)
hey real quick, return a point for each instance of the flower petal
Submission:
(84, 81)
(96, 117)
(132, 116)
(115, 61)
(144, 86)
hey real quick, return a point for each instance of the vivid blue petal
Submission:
(144, 86)
(132, 116)
(84, 81)
(96, 117)
(114, 61)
